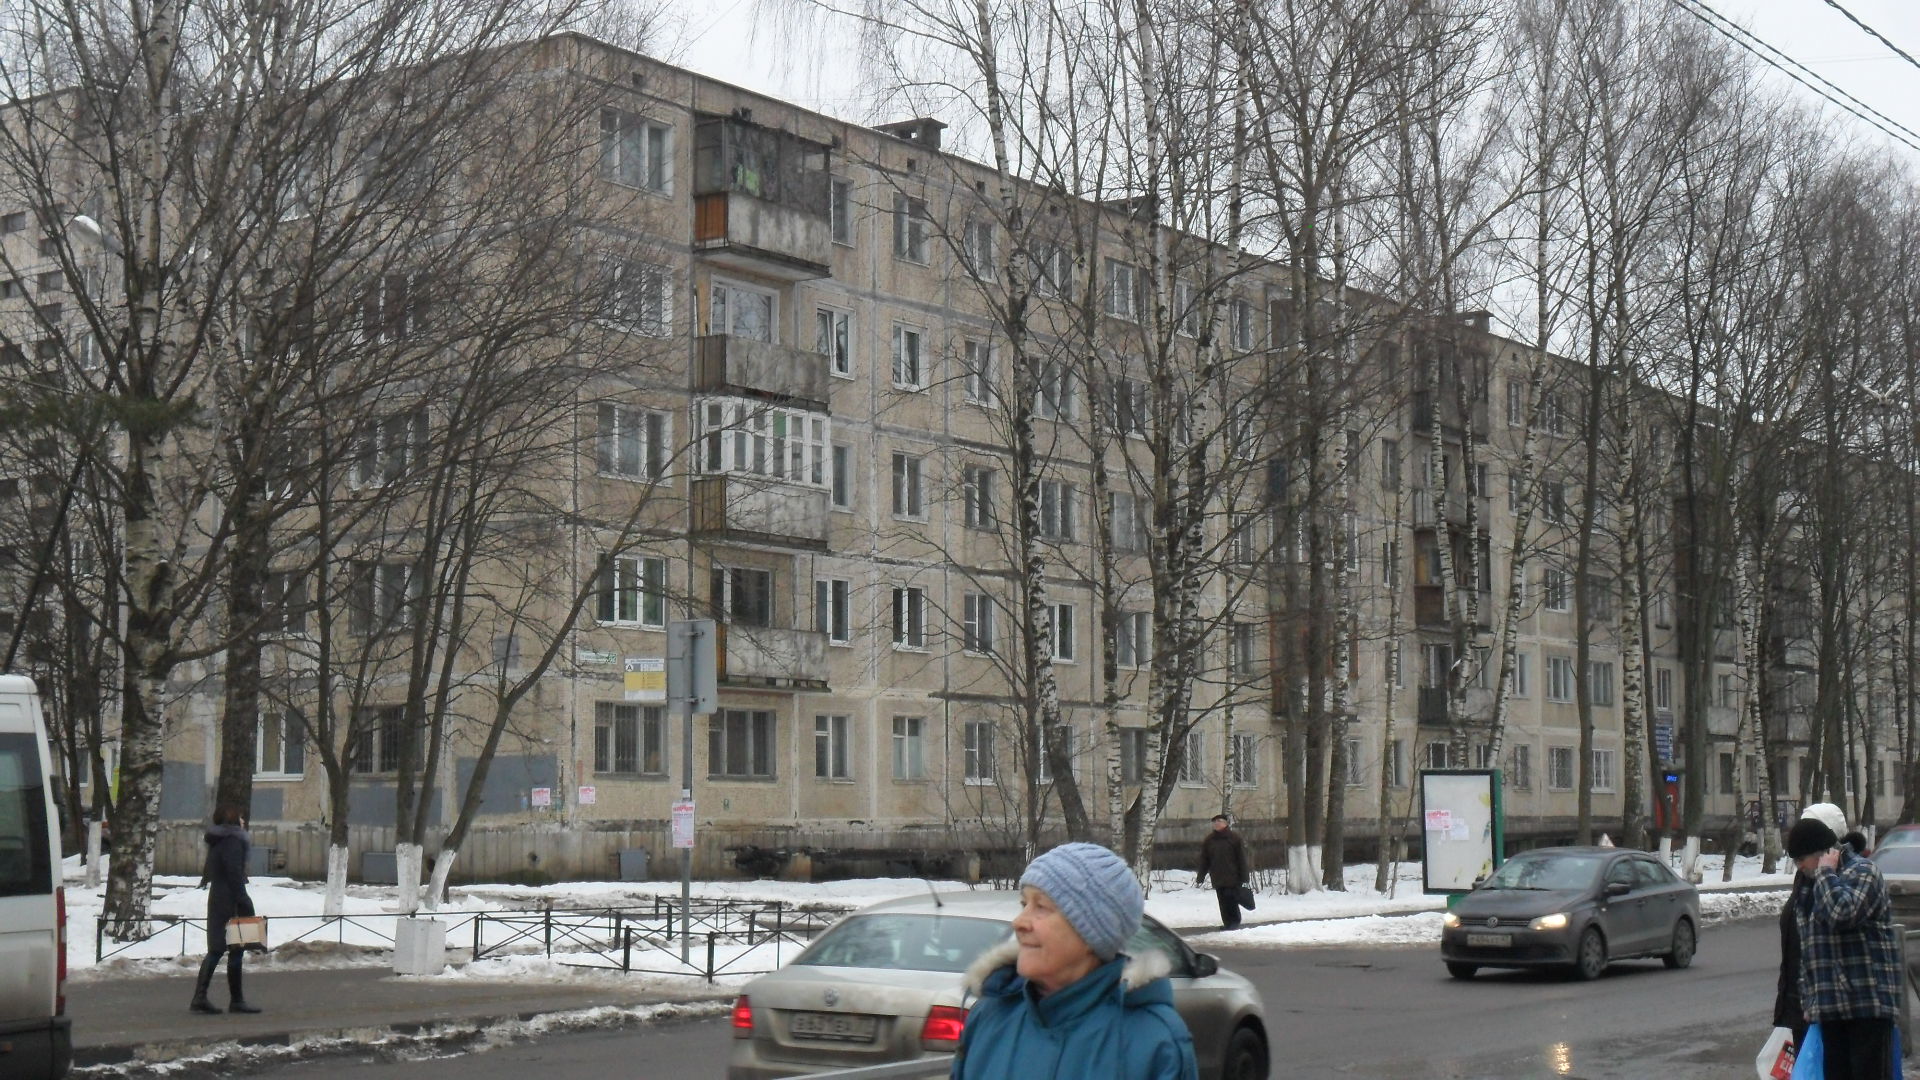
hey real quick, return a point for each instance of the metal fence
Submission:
(723, 936)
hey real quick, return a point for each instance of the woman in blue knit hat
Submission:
(1061, 1000)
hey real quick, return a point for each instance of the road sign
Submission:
(683, 824)
(646, 679)
(692, 667)
(1663, 740)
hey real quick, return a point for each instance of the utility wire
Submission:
(1875, 34)
(1831, 93)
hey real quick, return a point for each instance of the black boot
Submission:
(200, 1002)
(237, 1001)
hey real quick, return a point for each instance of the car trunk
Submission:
(845, 1017)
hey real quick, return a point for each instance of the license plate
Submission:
(834, 1027)
(1490, 941)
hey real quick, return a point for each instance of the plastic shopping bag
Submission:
(1809, 1062)
(1775, 1061)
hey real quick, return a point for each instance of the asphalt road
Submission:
(1384, 1012)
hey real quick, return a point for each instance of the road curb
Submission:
(202, 1056)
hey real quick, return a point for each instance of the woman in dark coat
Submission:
(225, 875)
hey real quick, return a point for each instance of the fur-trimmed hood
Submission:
(1138, 972)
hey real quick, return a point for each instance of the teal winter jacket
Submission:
(1116, 1023)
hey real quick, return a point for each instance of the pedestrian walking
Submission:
(1786, 996)
(225, 875)
(1062, 1001)
(1849, 961)
(1223, 857)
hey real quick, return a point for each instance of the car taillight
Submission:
(943, 1027)
(60, 984)
(742, 1018)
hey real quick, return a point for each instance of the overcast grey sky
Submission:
(717, 37)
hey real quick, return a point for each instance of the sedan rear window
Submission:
(905, 942)
(1554, 872)
(1904, 859)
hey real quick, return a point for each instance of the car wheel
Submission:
(1683, 942)
(1591, 959)
(1246, 1056)
(1461, 971)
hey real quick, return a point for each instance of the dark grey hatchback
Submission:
(1576, 907)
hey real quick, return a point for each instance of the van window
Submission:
(26, 866)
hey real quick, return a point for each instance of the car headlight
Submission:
(1557, 921)
(1450, 921)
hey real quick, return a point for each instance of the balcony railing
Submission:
(770, 658)
(761, 199)
(759, 511)
(727, 364)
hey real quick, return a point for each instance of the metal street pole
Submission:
(686, 796)
(692, 666)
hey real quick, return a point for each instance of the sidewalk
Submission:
(146, 1019)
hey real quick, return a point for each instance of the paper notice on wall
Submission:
(1440, 821)
(683, 824)
(543, 796)
(1460, 831)
(587, 795)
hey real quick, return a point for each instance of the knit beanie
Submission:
(1809, 836)
(1829, 815)
(1095, 890)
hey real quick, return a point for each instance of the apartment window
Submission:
(1240, 539)
(908, 373)
(833, 339)
(840, 210)
(285, 607)
(392, 309)
(1727, 775)
(830, 748)
(1600, 597)
(635, 151)
(1522, 674)
(1356, 769)
(1603, 761)
(976, 497)
(978, 737)
(1553, 501)
(1056, 510)
(13, 222)
(1558, 587)
(741, 595)
(1246, 760)
(910, 220)
(1052, 270)
(1390, 464)
(1600, 682)
(1127, 522)
(1056, 398)
(754, 438)
(833, 609)
(1396, 764)
(1516, 403)
(632, 443)
(909, 617)
(384, 596)
(978, 246)
(1063, 630)
(378, 732)
(976, 623)
(842, 476)
(740, 745)
(1556, 415)
(1193, 757)
(1063, 734)
(909, 748)
(1663, 609)
(384, 449)
(1240, 315)
(1132, 638)
(1560, 768)
(742, 311)
(1729, 696)
(1245, 639)
(909, 497)
(1186, 309)
(629, 739)
(1439, 755)
(634, 591)
(978, 357)
(1127, 406)
(1133, 755)
(1663, 689)
(1122, 297)
(1559, 679)
(1520, 769)
(280, 744)
(636, 297)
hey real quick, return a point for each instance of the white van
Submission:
(36, 1037)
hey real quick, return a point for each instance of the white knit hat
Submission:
(1829, 815)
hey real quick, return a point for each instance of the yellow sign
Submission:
(646, 679)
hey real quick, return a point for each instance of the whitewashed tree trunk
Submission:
(93, 854)
(442, 869)
(336, 895)
(406, 864)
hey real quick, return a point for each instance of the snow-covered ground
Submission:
(1360, 915)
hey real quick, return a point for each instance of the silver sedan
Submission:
(884, 985)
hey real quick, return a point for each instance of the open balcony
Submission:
(767, 658)
(760, 199)
(732, 508)
(727, 364)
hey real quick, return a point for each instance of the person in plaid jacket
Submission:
(1849, 961)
